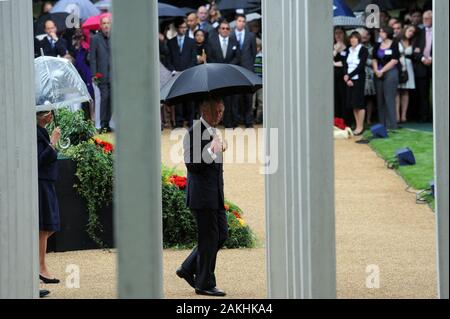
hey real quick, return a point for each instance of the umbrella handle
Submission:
(54, 118)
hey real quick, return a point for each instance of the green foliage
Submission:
(95, 182)
(179, 226)
(73, 126)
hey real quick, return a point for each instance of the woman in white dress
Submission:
(406, 65)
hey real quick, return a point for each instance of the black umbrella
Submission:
(59, 18)
(238, 4)
(167, 10)
(383, 4)
(210, 79)
(185, 3)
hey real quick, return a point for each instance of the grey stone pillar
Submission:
(298, 100)
(441, 127)
(138, 216)
(18, 160)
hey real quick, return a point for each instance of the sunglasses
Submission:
(225, 28)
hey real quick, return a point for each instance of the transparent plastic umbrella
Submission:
(58, 84)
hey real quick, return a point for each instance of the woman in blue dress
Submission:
(49, 221)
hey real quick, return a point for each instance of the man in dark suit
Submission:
(100, 59)
(247, 44)
(182, 56)
(203, 155)
(423, 66)
(51, 45)
(222, 48)
(203, 23)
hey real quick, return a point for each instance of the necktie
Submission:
(429, 43)
(52, 42)
(224, 48)
(180, 44)
(240, 39)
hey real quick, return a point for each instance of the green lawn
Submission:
(421, 143)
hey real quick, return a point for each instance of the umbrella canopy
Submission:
(167, 10)
(343, 15)
(238, 4)
(210, 79)
(104, 5)
(93, 23)
(383, 4)
(164, 75)
(58, 84)
(83, 8)
(185, 3)
(59, 19)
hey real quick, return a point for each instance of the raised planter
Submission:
(74, 218)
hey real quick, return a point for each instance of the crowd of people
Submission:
(205, 36)
(202, 36)
(387, 69)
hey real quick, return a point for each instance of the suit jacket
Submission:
(100, 57)
(205, 176)
(180, 61)
(361, 68)
(215, 55)
(248, 50)
(59, 49)
(420, 69)
(47, 157)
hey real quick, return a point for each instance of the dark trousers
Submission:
(246, 109)
(105, 104)
(212, 233)
(184, 112)
(423, 108)
(231, 113)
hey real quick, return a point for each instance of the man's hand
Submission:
(350, 83)
(216, 145)
(56, 135)
(53, 36)
(346, 78)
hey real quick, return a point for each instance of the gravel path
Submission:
(377, 223)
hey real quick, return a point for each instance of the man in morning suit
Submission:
(203, 155)
(247, 45)
(222, 48)
(100, 59)
(182, 56)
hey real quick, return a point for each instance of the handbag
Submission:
(403, 76)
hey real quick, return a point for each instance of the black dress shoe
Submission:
(213, 292)
(43, 293)
(48, 280)
(186, 276)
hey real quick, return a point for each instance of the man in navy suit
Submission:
(182, 56)
(222, 48)
(51, 45)
(247, 44)
(203, 156)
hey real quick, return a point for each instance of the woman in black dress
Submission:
(339, 55)
(354, 78)
(49, 221)
(200, 41)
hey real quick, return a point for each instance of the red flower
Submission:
(340, 123)
(107, 147)
(178, 181)
(236, 214)
(99, 75)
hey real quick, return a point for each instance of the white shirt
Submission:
(353, 60)
(222, 39)
(241, 34)
(212, 132)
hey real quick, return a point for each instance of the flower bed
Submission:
(94, 176)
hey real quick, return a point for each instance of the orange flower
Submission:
(227, 207)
